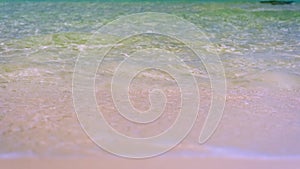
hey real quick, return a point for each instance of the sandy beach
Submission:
(174, 163)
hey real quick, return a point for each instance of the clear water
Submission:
(259, 45)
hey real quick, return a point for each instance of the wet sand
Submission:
(39, 119)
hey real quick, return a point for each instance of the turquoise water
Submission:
(259, 45)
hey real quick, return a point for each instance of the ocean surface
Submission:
(258, 44)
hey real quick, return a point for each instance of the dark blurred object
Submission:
(276, 2)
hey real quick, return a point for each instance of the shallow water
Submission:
(259, 46)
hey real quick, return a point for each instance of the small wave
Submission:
(13, 155)
(229, 152)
